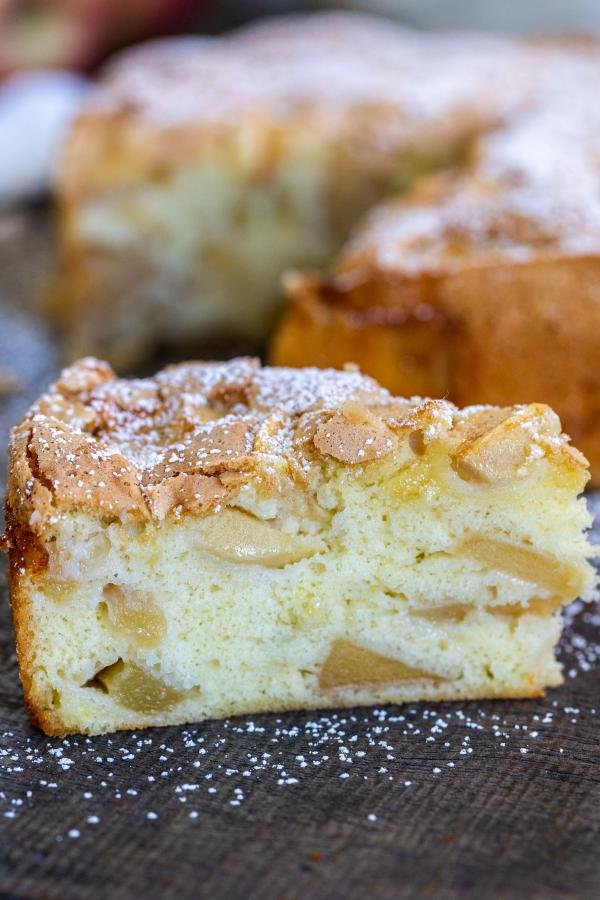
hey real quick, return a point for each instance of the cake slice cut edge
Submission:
(228, 539)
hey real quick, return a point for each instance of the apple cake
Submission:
(224, 539)
(200, 169)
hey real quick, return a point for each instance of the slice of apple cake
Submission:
(225, 538)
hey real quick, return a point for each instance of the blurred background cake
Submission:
(158, 213)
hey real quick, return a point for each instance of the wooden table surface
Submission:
(446, 800)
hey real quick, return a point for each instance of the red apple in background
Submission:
(77, 34)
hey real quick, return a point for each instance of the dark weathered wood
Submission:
(494, 821)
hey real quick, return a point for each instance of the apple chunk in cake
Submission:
(225, 538)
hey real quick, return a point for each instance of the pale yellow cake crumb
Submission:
(225, 538)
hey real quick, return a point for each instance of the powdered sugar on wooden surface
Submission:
(196, 769)
(197, 772)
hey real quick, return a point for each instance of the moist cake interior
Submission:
(229, 539)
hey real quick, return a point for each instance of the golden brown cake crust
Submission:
(496, 334)
(187, 439)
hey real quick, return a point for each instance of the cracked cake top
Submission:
(187, 439)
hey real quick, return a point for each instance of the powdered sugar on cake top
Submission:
(332, 63)
(189, 438)
(530, 188)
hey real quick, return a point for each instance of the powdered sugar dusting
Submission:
(193, 435)
(199, 414)
(327, 65)
(237, 766)
(296, 391)
(530, 187)
(237, 763)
